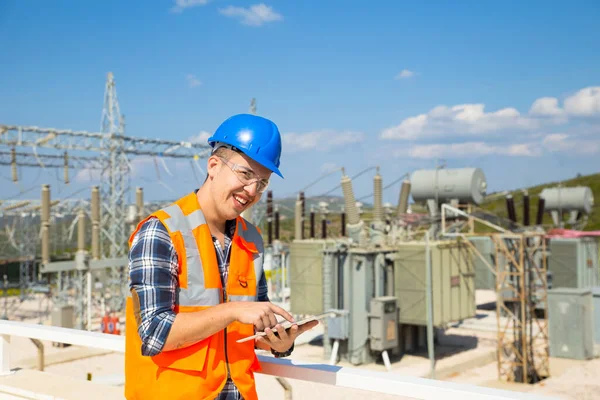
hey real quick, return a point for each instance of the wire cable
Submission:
(351, 178)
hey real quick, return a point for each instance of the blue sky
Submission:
(511, 87)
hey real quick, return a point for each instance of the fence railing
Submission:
(343, 377)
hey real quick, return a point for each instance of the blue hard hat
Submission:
(255, 136)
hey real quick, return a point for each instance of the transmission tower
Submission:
(53, 148)
(115, 171)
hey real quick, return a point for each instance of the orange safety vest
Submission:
(199, 371)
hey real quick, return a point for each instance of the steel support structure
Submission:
(107, 151)
(521, 289)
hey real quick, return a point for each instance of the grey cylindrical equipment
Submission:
(349, 200)
(467, 185)
(96, 223)
(525, 209)
(139, 202)
(510, 208)
(45, 224)
(312, 222)
(45, 204)
(66, 177)
(329, 265)
(579, 198)
(389, 279)
(302, 213)
(13, 164)
(81, 231)
(377, 197)
(276, 221)
(403, 199)
(540, 212)
(270, 217)
(298, 220)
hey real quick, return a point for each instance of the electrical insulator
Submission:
(276, 220)
(66, 168)
(343, 222)
(13, 165)
(45, 219)
(377, 196)
(526, 209)
(270, 217)
(312, 222)
(403, 200)
(350, 202)
(81, 230)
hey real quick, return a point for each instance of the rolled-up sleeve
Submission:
(153, 284)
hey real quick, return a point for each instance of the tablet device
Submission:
(287, 325)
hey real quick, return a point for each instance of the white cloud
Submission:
(467, 149)
(405, 74)
(562, 142)
(471, 119)
(462, 119)
(585, 103)
(546, 107)
(554, 142)
(322, 140)
(255, 15)
(181, 5)
(520, 149)
(201, 137)
(193, 81)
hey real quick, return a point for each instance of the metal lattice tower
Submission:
(106, 153)
(522, 295)
(115, 171)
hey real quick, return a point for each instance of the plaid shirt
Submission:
(153, 275)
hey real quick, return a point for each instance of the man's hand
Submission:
(261, 314)
(285, 338)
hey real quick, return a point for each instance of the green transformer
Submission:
(452, 282)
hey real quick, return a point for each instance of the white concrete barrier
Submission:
(352, 378)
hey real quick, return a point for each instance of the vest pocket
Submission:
(191, 358)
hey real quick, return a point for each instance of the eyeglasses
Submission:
(247, 176)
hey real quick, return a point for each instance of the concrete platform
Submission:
(28, 384)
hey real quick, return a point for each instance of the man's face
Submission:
(231, 196)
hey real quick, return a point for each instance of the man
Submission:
(196, 279)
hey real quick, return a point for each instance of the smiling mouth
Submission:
(241, 200)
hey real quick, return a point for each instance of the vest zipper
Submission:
(225, 340)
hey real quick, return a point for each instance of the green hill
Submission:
(496, 203)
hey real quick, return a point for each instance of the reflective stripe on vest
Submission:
(196, 293)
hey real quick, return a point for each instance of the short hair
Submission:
(222, 152)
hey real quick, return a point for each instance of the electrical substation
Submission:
(395, 283)
(392, 278)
